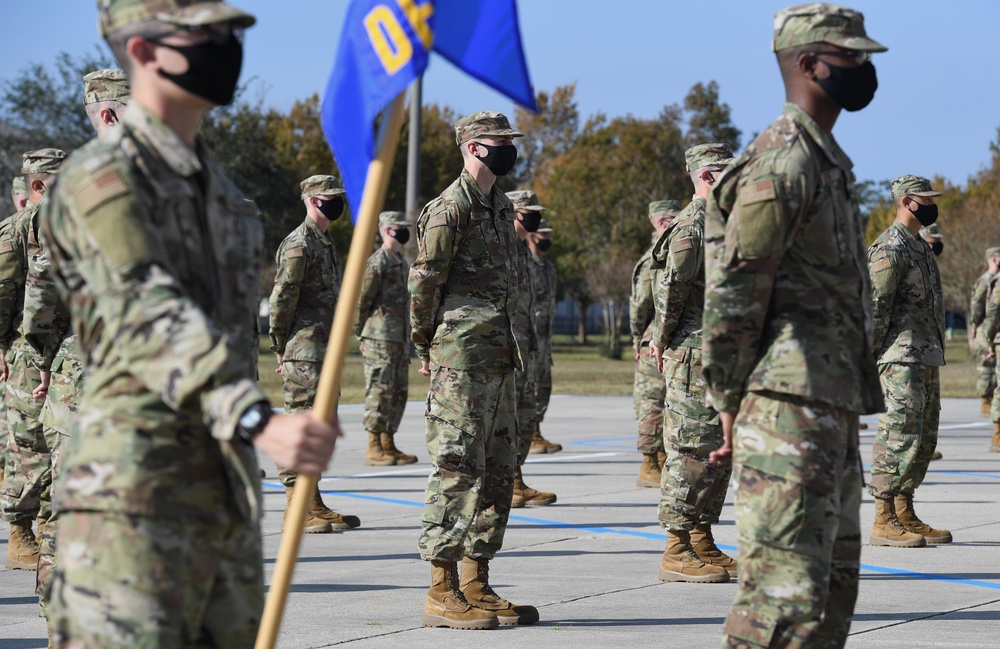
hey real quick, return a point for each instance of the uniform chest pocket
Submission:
(481, 243)
(822, 234)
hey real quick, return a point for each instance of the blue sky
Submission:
(936, 110)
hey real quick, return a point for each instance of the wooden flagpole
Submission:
(376, 184)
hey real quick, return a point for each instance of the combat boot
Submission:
(986, 407)
(22, 549)
(661, 459)
(649, 472)
(903, 504)
(375, 455)
(541, 445)
(995, 442)
(319, 511)
(517, 501)
(313, 525)
(680, 563)
(532, 497)
(389, 448)
(703, 544)
(446, 605)
(936, 455)
(887, 531)
(477, 591)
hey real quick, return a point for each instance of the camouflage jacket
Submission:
(980, 296)
(543, 279)
(680, 293)
(524, 326)
(909, 304)
(641, 305)
(991, 324)
(304, 297)
(18, 243)
(787, 300)
(156, 254)
(464, 282)
(383, 310)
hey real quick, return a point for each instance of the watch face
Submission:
(251, 418)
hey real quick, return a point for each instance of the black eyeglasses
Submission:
(218, 33)
(859, 57)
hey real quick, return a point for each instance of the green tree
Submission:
(708, 120)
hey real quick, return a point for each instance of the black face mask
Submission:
(926, 214)
(937, 247)
(332, 209)
(544, 244)
(851, 88)
(499, 159)
(530, 221)
(401, 235)
(213, 70)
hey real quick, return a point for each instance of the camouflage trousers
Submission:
(543, 377)
(907, 430)
(132, 581)
(471, 421)
(986, 371)
(47, 542)
(692, 489)
(527, 413)
(648, 394)
(28, 469)
(798, 501)
(387, 380)
(299, 380)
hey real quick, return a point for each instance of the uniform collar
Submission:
(162, 139)
(472, 187)
(825, 140)
(323, 236)
(915, 242)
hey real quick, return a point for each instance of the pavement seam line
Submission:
(926, 617)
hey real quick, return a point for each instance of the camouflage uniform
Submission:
(986, 381)
(156, 254)
(787, 348)
(909, 346)
(463, 291)
(650, 387)
(543, 280)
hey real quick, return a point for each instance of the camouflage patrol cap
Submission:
(485, 122)
(544, 227)
(910, 185)
(115, 15)
(932, 231)
(42, 161)
(321, 185)
(992, 252)
(667, 207)
(525, 200)
(822, 22)
(18, 187)
(397, 219)
(703, 155)
(105, 85)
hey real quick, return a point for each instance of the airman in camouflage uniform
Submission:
(19, 193)
(463, 311)
(543, 279)
(650, 386)
(303, 300)
(381, 324)
(991, 338)
(693, 490)
(787, 342)
(155, 253)
(986, 363)
(29, 464)
(909, 348)
(528, 218)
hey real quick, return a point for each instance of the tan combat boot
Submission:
(446, 605)
(661, 459)
(887, 531)
(319, 511)
(517, 501)
(477, 591)
(703, 544)
(995, 442)
(680, 563)
(986, 407)
(908, 517)
(649, 472)
(936, 455)
(313, 525)
(375, 455)
(532, 497)
(22, 549)
(541, 445)
(389, 448)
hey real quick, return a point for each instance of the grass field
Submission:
(579, 369)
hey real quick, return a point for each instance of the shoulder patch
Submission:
(437, 220)
(103, 188)
(6, 246)
(757, 192)
(682, 244)
(881, 264)
(294, 252)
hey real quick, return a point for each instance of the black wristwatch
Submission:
(253, 421)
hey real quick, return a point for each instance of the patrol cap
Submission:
(105, 85)
(18, 187)
(932, 231)
(667, 207)
(320, 185)
(822, 22)
(704, 155)
(543, 226)
(115, 15)
(525, 200)
(42, 161)
(485, 122)
(910, 185)
(397, 219)
(992, 252)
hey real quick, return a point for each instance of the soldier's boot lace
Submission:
(446, 606)
(541, 445)
(22, 549)
(703, 544)
(313, 525)
(908, 517)
(887, 531)
(389, 448)
(319, 510)
(531, 497)
(649, 472)
(478, 592)
(681, 563)
(375, 455)
(995, 442)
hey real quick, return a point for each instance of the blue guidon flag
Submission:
(385, 45)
